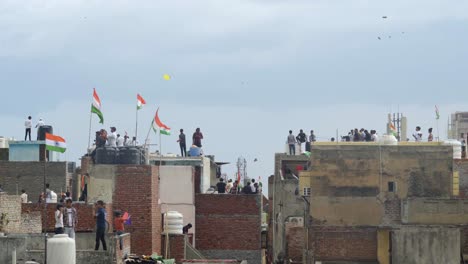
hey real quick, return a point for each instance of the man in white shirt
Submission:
(112, 138)
(40, 123)
(27, 126)
(254, 190)
(418, 134)
(120, 141)
(70, 218)
(24, 196)
(374, 136)
(59, 219)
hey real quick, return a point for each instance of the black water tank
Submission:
(42, 130)
(130, 155)
(107, 155)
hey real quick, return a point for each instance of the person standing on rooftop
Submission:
(112, 137)
(100, 225)
(312, 137)
(221, 186)
(183, 146)
(38, 125)
(197, 137)
(418, 134)
(24, 196)
(70, 219)
(291, 140)
(28, 126)
(302, 138)
(430, 137)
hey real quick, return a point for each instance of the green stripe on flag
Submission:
(56, 149)
(98, 113)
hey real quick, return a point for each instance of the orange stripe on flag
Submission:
(139, 98)
(54, 138)
(96, 97)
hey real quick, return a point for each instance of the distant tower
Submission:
(458, 125)
(400, 123)
(242, 170)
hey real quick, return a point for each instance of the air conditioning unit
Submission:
(296, 221)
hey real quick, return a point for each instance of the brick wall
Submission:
(176, 247)
(9, 205)
(294, 243)
(461, 166)
(137, 192)
(198, 179)
(15, 176)
(392, 209)
(344, 244)
(86, 222)
(229, 225)
(18, 222)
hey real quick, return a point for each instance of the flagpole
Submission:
(89, 137)
(136, 125)
(160, 152)
(45, 204)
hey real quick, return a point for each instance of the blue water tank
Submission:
(194, 151)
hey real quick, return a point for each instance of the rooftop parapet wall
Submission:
(365, 170)
(29, 175)
(229, 226)
(425, 211)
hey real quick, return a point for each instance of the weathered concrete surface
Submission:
(426, 245)
(101, 185)
(366, 211)
(349, 183)
(435, 211)
(285, 200)
(365, 170)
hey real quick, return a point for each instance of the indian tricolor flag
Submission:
(55, 143)
(157, 124)
(140, 102)
(96, 106)
(393, 130)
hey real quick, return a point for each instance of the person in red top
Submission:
(197, 137)
(119, 226)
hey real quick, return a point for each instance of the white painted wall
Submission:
(177, 192)
(205, 175)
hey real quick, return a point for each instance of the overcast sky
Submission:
(245, 72)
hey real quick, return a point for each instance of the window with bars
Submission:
(306, 191)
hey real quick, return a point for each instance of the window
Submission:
(307, 191)
(392, 187)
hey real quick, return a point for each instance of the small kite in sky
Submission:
(166, 77)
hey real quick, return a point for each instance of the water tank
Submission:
(194, 151)
(173, 222)
(3, 142)
(130, 155)
(388, 140)
(61, 249)
(42, 130)
(457, 147)
(107, 155)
